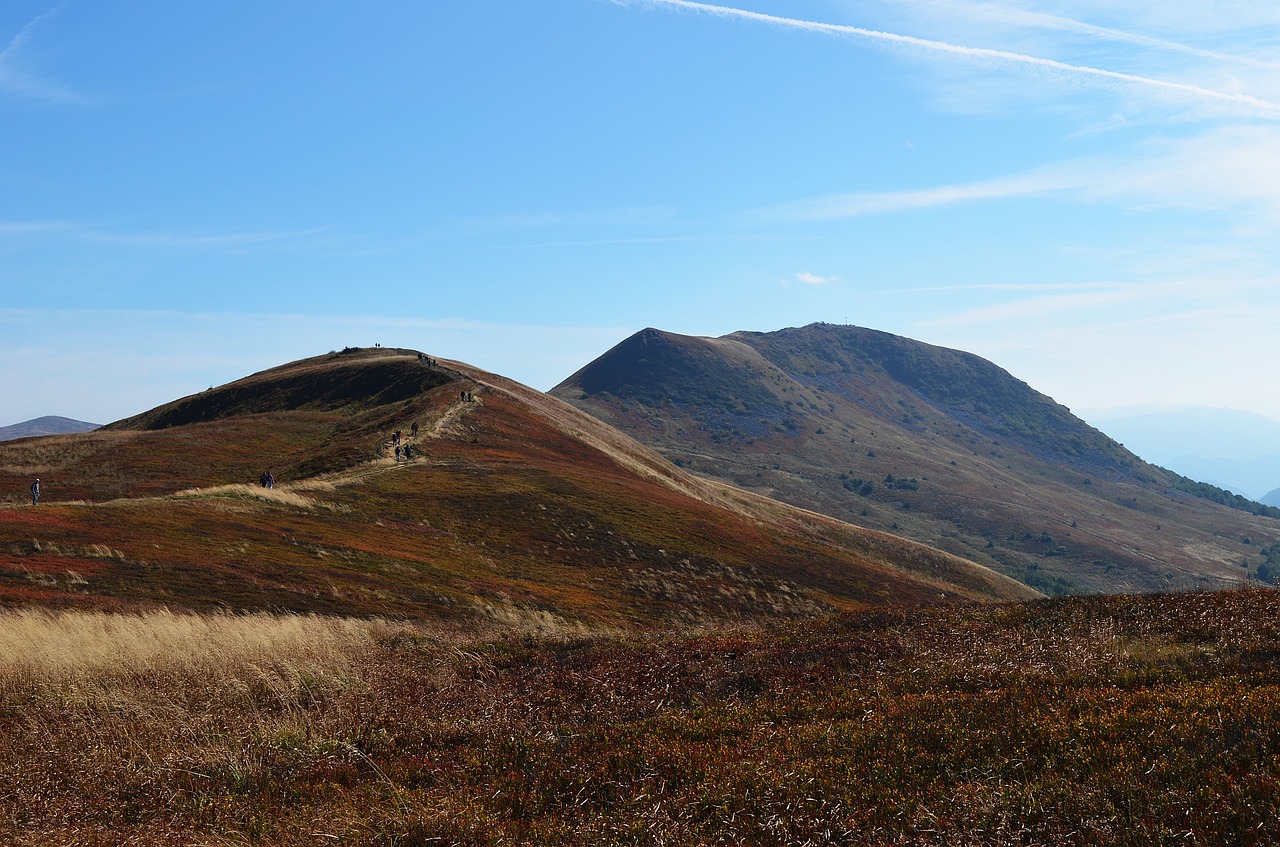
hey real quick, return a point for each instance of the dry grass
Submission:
(1095, 721)
(279, 494)
(77, 648)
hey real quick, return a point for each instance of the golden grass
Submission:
(55, 649)
(1108, 721)
(279, 494)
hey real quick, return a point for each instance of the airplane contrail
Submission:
(1254, 105)
(1041, 20)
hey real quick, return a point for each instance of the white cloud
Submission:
(815, 279)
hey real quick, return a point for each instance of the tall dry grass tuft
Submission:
(279, 494)
(95, 708)
(74, 650)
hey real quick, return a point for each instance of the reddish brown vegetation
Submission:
(1116, 721)
(513, 501)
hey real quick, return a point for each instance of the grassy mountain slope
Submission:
(515, 506)
(934, 444)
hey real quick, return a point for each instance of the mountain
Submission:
(1230, 448)
(48, 425)
(513, 507)
(934, 444)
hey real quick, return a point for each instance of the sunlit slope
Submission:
(934, 444)
(515, 508)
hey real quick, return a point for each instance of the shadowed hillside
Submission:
(934, 444)
(512, 507)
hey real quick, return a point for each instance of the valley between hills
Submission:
(776, 589)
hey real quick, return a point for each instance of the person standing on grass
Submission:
(35, 492)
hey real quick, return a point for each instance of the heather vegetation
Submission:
(1104, 720)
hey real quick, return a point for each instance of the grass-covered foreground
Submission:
(1117, 720)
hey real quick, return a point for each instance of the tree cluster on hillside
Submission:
(1205, 491)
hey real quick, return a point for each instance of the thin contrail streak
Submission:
(1040, 20)
(1250, 103)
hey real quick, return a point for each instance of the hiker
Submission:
(35, 492)
(397, 452)
(271, 480)
(262, 479)
(414, 429)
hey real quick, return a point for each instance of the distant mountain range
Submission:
(1236, 450)
(936, 445)
(49, 425)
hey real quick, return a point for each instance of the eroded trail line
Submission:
(445, 425)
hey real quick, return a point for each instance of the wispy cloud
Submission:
(20, 78)
(816, 279)
(1237, 102)
(857, 204)
(28, 228)
(635, 216)
(1147, 301)
(174, 240)
(201, 240)
(1234, 167)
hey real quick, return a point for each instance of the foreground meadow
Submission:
(1103, 720)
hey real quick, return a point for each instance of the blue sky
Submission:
(1085, 192)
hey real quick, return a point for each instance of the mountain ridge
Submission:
(930, 443)
(512, 505)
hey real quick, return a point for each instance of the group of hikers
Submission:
(404, 449)
(267, 479)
